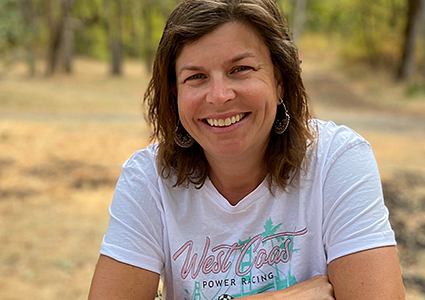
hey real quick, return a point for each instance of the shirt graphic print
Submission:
(256, 265)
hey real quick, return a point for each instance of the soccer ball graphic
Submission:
(225, 297)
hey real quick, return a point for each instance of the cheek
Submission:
(270, 109)
(188, 101)
(186, 108)
(267, 104)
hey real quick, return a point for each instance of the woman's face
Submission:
(227, 92)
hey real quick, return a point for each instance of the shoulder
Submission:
(330, 133)
(138, 185)
(143, 160)
(332, 139)
(140, 169)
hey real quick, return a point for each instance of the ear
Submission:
(280, 91)
(280, 88)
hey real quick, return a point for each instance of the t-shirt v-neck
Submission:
(259, 192)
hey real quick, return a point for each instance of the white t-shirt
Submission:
(203, 247)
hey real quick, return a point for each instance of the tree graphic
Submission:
(270, 230)
(246, 263)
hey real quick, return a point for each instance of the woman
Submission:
(244, 196)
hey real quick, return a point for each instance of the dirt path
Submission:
(71, 117)
(333, 98)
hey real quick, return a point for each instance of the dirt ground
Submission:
(63, 141)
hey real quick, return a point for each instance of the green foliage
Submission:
(369, 29)
(415, 89)
(287, 9)
(92, 42)
(12, 28)
(138, 39)
(19, 32)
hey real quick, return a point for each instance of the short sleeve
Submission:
(135, 231)
(354, 215)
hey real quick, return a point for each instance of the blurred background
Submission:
(72, 78)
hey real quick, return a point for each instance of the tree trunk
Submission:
(68, 45)
(28, 12)
(54, 43)
(57, 29)
(407, 65)
(393, 18)
(115, 35)
(116, 57)
(30, 58)
(299, 18)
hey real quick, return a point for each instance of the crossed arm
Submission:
(371, 274)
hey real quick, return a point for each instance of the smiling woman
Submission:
(244, 195)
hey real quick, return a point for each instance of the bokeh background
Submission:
(72, 78)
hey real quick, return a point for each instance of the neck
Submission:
(236, 178)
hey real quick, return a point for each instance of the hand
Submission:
(317, 288)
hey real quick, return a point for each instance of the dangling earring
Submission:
(184, 140)
(280, 125)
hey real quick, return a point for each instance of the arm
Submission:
(371, 274)
(316, 288)
(134, 236)
(115, 280)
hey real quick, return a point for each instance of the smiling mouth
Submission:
(225, 122)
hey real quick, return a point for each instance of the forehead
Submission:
(227, 41)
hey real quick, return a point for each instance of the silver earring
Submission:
(280, 125)
(184, 140)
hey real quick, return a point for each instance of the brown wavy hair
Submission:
(191, 20)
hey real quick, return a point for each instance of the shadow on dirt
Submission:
(68, 174)
(75, 174)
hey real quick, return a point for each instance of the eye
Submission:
(194, 77)
(241, 69)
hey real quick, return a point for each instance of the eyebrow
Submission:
(242, 56)
(188, 68)
(232, 61)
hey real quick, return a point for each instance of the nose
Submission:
(220, 90)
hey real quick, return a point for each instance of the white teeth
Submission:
(225, 122)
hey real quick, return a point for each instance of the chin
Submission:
(227, 149)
